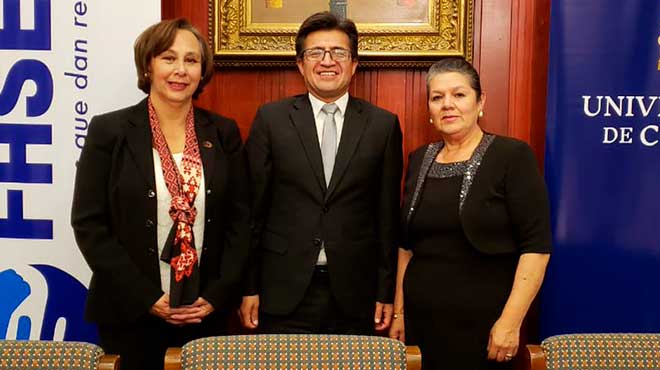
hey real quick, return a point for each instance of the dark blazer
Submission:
(356, 216)
(114, 213)
(505, 209)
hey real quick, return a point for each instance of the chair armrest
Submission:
(413, 358)
(534, 357)
(109, 362)
(173, 358)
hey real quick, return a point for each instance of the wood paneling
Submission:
(528, 72)
(510, 53)
(494, 62)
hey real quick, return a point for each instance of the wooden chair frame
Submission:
(534, 357)
(109, 362)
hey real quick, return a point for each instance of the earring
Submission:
(146, 74)
(431, 120)
(481, 113)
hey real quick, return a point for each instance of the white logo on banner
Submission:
(625, 106)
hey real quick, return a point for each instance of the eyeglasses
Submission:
(317, 54)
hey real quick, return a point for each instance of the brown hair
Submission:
(458, 65)
(326, 21)
(157, 39)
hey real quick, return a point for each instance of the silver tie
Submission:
(329, 140)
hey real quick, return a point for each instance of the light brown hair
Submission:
(157, 39)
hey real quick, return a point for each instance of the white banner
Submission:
(61, 63)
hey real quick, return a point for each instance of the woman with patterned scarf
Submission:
(160, 208)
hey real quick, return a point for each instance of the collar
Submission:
(317, 104)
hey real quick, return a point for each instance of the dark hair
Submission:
(158, 38)
(458, 65)
(326, 21)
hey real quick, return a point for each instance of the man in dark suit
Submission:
(326, 171)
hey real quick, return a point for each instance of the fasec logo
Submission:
(19, 135)
(43, 302)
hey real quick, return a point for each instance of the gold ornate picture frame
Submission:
(393, 33)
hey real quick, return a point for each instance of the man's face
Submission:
(327, 79)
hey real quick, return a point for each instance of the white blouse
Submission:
(165, 222)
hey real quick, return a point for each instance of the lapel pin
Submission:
(207, 144)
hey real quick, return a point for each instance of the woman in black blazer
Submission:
(477, 233)
(160, 209)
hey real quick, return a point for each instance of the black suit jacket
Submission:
(356, 216)
(506, 209)
(114, 213)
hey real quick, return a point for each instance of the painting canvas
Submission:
(392, 32)
(360, 11)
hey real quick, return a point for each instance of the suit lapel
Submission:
(303, 119)
(207, 140)
(138, 139)
(354, 124)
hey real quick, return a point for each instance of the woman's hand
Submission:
(162, 309)
(398, 328)
(505, 333)
(194, 313)
(503, 341)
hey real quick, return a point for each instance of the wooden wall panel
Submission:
(510, 52)
(528, 72)
(494, 62)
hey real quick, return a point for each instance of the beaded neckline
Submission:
(445, 170)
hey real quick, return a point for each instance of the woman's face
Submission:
(453, 104)
(176, 72)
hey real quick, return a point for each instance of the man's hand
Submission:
(249, 311)
(383, 315)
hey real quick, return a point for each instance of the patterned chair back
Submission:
(291, 352)
(599, 352)
(48, 355)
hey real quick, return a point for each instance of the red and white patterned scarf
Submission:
(183, 185)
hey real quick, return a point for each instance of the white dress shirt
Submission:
(319, 116)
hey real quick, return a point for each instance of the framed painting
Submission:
(393, 33)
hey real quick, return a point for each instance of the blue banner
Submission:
(603, 167)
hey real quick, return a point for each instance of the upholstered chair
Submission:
(49, 355)
(294, 352)
(595, 352)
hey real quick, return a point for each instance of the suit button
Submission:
(317, 242)
(208, 221)
(208, 191)
(151, 193)
(151, 251)
(325, 210)
(149, 223)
